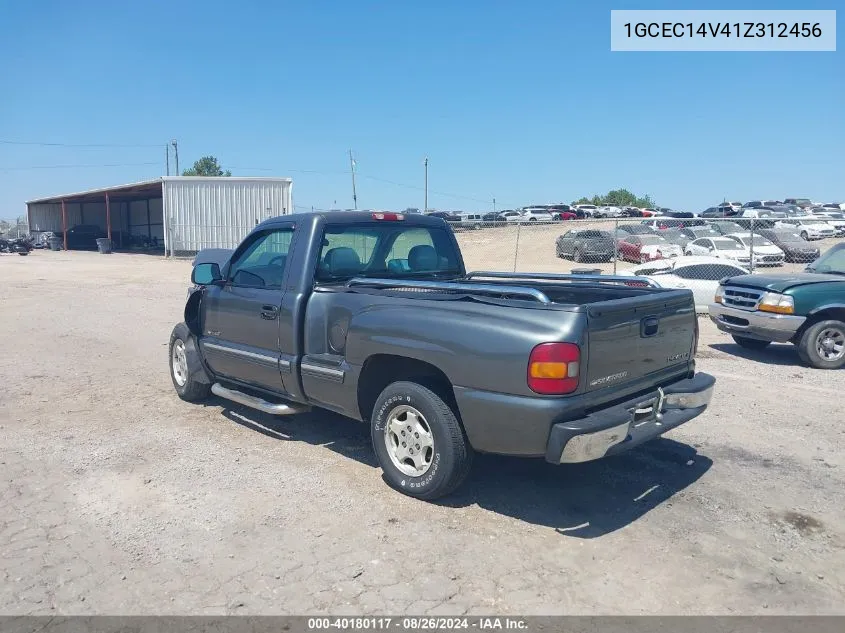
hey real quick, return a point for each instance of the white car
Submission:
(535, 214)
(699, 274)
(836, 219)
(608, 211)
(807, 228)
(720, 248)
(765, 252)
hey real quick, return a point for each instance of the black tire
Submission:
(805, 236)
(751, 343)
(451, 453)
(532, 219)
(808, 348)
(193, 390)
(23, 253)
(578, 256)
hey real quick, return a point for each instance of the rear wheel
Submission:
(750, 343)
(823, 345)
(419, 442)
(805, 236)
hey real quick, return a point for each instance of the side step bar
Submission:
(257, 403)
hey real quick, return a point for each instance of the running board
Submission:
(257, 403)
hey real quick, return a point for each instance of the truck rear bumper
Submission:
(535, 427)
(779, 328)
(624, 426)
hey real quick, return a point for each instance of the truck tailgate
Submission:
(632, 337)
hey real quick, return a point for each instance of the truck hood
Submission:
(779, 283)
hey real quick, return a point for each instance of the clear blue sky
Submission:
(521, 101)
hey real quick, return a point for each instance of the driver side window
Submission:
(262, 263)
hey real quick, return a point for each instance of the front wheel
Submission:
(750, 343)
(805, 236)
(823, 345)
(419, 442)
(181, 359)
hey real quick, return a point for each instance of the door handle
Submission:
(269, 312)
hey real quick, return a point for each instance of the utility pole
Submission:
(167, 157)
(494, 205)
(176, 153)
(354, 193)
(425, 208)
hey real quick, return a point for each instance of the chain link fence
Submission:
(691, 253)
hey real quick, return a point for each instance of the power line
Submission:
(40, 144)
(76, 166)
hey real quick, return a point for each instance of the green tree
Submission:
(618, 198)
(206, 166)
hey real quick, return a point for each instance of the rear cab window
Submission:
(386, 250)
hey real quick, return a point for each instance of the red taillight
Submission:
(388, 216)
(553, 368)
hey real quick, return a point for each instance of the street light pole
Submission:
(425, 208)
(176, 153)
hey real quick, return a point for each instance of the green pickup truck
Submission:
(807, 309)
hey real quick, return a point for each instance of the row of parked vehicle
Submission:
(723, 239)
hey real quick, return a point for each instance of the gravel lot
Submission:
(118, 498)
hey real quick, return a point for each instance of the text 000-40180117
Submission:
(751, 31)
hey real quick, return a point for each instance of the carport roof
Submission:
(132, 191)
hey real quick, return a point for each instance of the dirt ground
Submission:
(118, 498)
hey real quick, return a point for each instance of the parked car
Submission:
(795, 248)
(648, 213)
(836, 219)
(535, 214)
(451, 218)
(763, 251)
(646, 248)
(439, 363)
(470, 221)
(510, 217)
(725, 227)
(719, 247)
(83, 236)
(586, 245)
(804, 203)
(722, 211)
(666, 223)
(701, 275)
(563, 212)
(804, 309)
(683, 236)
(587, 209)
(608, 211)
(807, 228)
(634, 229)
(631, 212)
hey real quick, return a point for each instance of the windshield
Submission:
(832, 262)
(758, 240)
(726, 245)
(788, 236)
(652, 239)
(388, 250)
(594, 235)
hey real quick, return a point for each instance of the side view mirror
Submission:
(206, 274)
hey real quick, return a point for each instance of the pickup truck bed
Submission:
(439, 362)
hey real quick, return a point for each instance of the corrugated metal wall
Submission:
(48, 217)
(218, 212)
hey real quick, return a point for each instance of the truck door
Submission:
(241, 318)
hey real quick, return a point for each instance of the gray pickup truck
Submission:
(373, 316)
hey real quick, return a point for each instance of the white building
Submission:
(176, 214)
